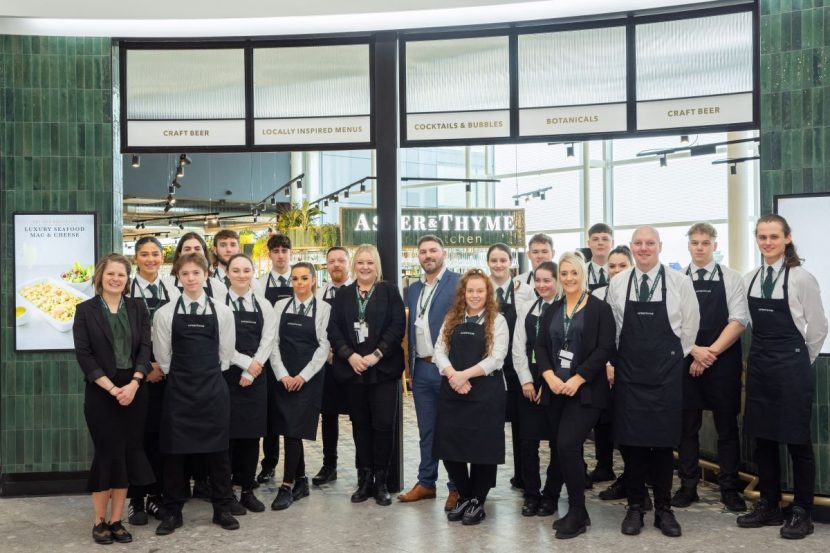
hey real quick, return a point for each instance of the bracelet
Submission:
(138, 381)
(111, 389)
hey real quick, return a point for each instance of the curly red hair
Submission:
(455, 315)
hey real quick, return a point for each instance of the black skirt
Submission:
(118, 437)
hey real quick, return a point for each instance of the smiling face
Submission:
(538, 252)
(617, 263)
(702, 248)
(366, 271)
(149, 258)
(431, 256)
(337, 264)
(302, 281)
(570, 278)
(240, 272)
(600, 244)
(225, 248)
(192, 278)
(280, 259)
(499, 264)
(115, 278)
(475, 294)
(646, 247)
(545, 284)
(771, 240)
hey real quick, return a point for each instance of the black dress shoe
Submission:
(457, 513)
(365, 486)
(119, 533)
(284, 499)
(576, 522)
(763, 514)
(474, 513)
(684, 497)
(633, 521)
(201, 490)
(101, 533)
(559, 521)
(530, 507)
(601, 474)
(547, 506)
(136, 515)
(236, 508)
(589, 484)
(517, 483)
(799, 524)
(382, 495)
(615, 491)
(168, 525)
(251, 503)
(327, 474)
(225, 520)
(665, 521)
(300, 489)
(733, 501)
(265, 476)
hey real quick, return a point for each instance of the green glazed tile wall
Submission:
(56, 153)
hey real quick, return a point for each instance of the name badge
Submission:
(565, 358)
(420, 322)
(361, 331)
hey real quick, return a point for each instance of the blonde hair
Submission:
(375, 257)
(578, 263)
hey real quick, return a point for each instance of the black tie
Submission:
(701, 273)
(227, 282)
(768, 285)
(194, 308)
(469, 319)
(240, 302)
(301, 312)
(283, 282)
(644, 288)
(545, 305)
(500, 295)
(154, 289)
(332, 291)
(602, 281)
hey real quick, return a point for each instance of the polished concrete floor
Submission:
(327, 522)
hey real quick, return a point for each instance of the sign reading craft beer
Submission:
(456, 227)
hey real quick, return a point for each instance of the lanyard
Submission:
(566, 319)
(537, 304)
(592, 274)
(235, 304)
(311, 306)
(144, 299)
(653, 287)
(361, 303)
(711, 273)
(107, 307)
(422, 307)
(272, 279)
(476, 320)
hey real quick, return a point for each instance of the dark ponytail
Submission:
(791, 258)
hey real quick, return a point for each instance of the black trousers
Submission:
(530, 471)
(270, 452)
(472, 480)
(604, 444)
(244, 453)
(729, 450)
(766, 456)
(330, 428)
(514, 396)
(570, 423)
(373, 410)
(151, 449)
(642, 462)
(293, 459)
(176, 483)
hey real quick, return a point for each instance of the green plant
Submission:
(301, 217)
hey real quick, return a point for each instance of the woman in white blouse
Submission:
(256, 330)
(192, 242)
(469, 431)
(788, 329)
(300, 352)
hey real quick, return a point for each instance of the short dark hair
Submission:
(279, 240)
(622, 250)
(337, 249)
(148, 240)
(224, 234)
(430, 238)
(500, 246)
(540, 239)
(549, 266)
(195, 258)
(600, 228)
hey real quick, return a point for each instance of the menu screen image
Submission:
(54, 258)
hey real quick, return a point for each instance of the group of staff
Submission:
(203, 364)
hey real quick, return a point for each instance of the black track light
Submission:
(167, 208)
(684, 138)
(171, 199)
(255, 218)
(569, 149)
(543, 195)
(181, 226)
(136, 162)
(300, 184)
(733, 169)
(516, 202)
(138, 225)
(346, 194)
(468, 187)
(179, 172)
(325, 203)
(335, 199)
(176, 183)
(363, 187)
(184, 160)
(171, 189)
(287, 191)
(273, 200)
(663, 160)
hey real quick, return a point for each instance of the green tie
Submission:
(240, 302)
(545, 305)
(194, 308)
(701, 273)
(301, 312)
(768, 285)
(154, 289)
(500, 295)
(283, 282)
(602, 281)
(644, 288)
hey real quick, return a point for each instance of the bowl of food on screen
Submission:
(21, 315)
(79, 276)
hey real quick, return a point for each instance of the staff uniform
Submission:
(604, 430)
(510, 295)
(300, 349)
(194, 341)
(256, 330)
(788, 329)
(214, 288)
(116, 345)
(222, 276)
(469, 432)
(527, 279)
(597, 276)
(428, 305)
(722, 299)
(657, 322)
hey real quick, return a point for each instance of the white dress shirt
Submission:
(324, 292)
(275, 279)
(681, 301)
(804, 299)
(526, 279)
(269, 331)
(493, 362)
(140, 286)
(320, 324)
(593, 272)
(520, 360)
(163, 330)
(217, 286)
(733, 282)
(600, 293)
(522, 293)
(423, 336)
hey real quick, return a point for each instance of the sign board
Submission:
(703, 111)
(573, 120)
(458, 125)
(186, 133)
(313, 130)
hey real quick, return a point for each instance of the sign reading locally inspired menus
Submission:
(573, 120)
(54, 257)
(457, 125)
(703, 111)
(456, 227)
(313, 130)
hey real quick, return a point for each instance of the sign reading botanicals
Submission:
(456, 227)
(54, 257)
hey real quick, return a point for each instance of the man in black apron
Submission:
(275, 285)
(712, 379)
(539, 249)
(656, 329)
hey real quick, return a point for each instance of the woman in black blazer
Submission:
(577, 337)
(366, 330)
(112, 345)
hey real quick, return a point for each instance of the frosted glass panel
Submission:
(186, 84)
(572, 68)
(311, 81)
(694, 57)
(457, 75)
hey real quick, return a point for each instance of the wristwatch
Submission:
(138, 381)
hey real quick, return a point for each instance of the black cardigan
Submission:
(94, 342)
(386, 318)
(598, 345)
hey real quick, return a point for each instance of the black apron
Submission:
(595, 285)
(273, 294)
(334, 395)
(470, 427)
(249, 412)
(155, 390)
(514, 388)
(208, 288)
(779, 376)
(298, 411)
(648, 387)
(719, 387)
(276, 293)
(196, 413)
(534, 421)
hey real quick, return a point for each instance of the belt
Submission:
(428, 359)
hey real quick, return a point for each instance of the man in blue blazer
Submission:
(428, 300)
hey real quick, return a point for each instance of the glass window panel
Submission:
(676, 244)
(596, 202)
(629, 147)
(565, 242)
(311, 81)
(185, 84)
(572, 68)
(560, 208)
(694, 57)
(457, 75)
